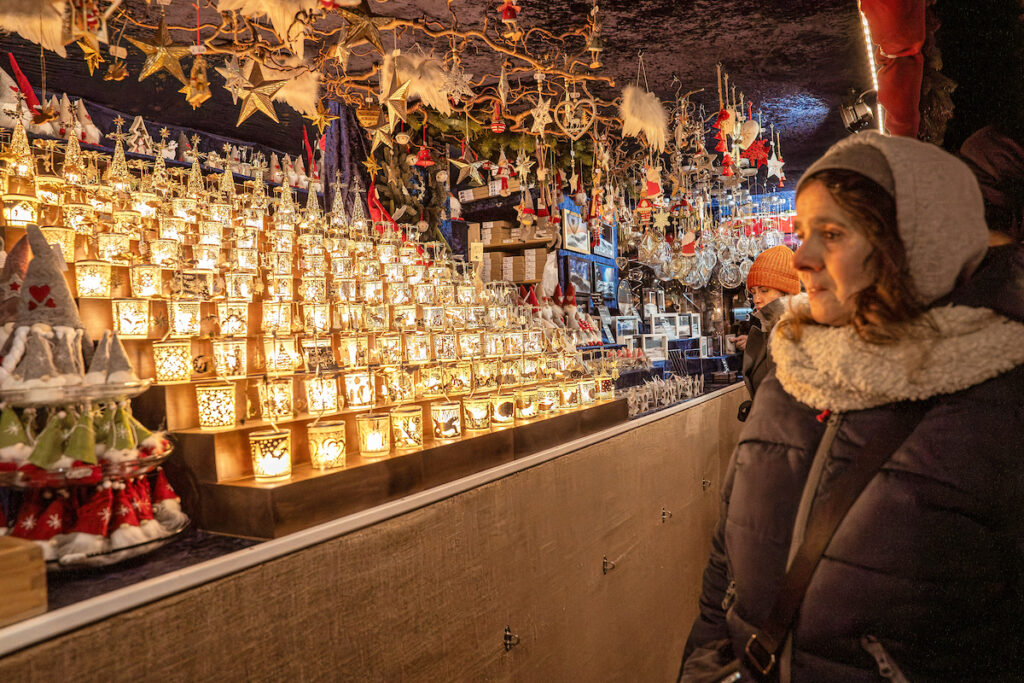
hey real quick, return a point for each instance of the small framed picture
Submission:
(578, 272)
(604, 280)
(626, 327)
(654, 346)
(664, 323)
(606, 240)
(683, 326)
(575, 236)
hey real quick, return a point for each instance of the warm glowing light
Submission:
(93, 279)
(446, 417)
(374, 433)
(407, 428)
(216, 405)
(173, 361)
(271, 453)
(326, 444)
(131, 318)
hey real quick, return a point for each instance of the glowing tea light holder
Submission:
(277, 317)
(280, 353)
(326, 444)
(354, 351)
(316, 318)
(374, 432)
(280, 287)
(477, 412)
(446, 418)
(485, 375)
(173, 361)
(605, 387)
(239, 286)
(527, 404)
(184, 318)
(93, 279)
(244, 259)
(503, 409)
(313, 289)
(318, 353)
(63, 238)
(407, 428)
(403, 318)
(147, 280)
(229, 357)
(431, 383)
(588, 391)
(216, 404)
(277, 400)
(549, 398)
(205, 256)
(458, 377)
(271, 452)
(131, 318)
(417, 348)
(389, 349)
(164, 252)
(322, 395)
(569, 395)
(358, 389)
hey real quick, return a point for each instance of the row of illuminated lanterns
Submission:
(402, 428)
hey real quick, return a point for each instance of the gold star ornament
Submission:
(162, 53)
(92, 56)
(257, 93)
(372, 167)
(363, 28)
(322, 118)
(394, 100)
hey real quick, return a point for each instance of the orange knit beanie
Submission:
(774, 268)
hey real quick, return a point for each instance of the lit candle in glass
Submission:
(485, 375)
(173, 361)
(457, 377)
(216, 405)
(424, 294)
(371, 292)
(503, 409)
(184, 318)
(146, 280)
(229, 357)
(433, 317)
(313, 288)
(527, 406)
(588, 391)
(569, 394)
(549, 398)
(477, 413)
(326, 444)
(233, 317)
(431, 384)
(62, 237)
(280, 353)
(113, 247)
(277, 317)
(93, 279)
(446, 417)
(403, 318)
(389, 349)
(277, 400)
(530, 370)
(318, 353)
(407, 428)
(316, 318)
(354, 351)
(533, 342)
(322, 395)
(375, 318)
(374, 432)
(280, 287)
(239, 286)
(131, 318)
(513, 343)
(509, 372)
(445, 346)
(444, 294)
(271, 453)
(244, 259)
(205, 256)
(494, 344)
(417, 347)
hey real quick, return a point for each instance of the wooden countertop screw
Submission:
(510, 640)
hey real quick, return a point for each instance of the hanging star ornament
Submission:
(363, 27)
(523, 165)
(372, 167)
(394, 100)
(257, 93)
(92, 56)
(322, 118)
(233, 78)
(468, 169)
(456, 83)
(541, 117)
(162, 53)
(775, 166)
(379, 136)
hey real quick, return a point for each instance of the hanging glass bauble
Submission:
(745, 265)
(729, 276)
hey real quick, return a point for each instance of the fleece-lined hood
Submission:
(939, 208)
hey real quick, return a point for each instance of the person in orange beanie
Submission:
(770, 278)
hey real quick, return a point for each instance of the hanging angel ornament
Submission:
(510, 18)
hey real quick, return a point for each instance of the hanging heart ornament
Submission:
(575, 116)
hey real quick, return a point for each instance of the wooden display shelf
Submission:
(244, 507)
(516, 245)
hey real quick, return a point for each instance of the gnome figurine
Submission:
(15, 448)
(88, 535)
(98, 366)
(89, 132)
(124, 524)
(119, 369)
(167, 504)
(12, 275)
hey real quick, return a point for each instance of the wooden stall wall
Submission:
(592, 561)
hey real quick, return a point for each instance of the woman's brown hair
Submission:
(880, 308)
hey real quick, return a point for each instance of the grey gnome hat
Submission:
(119, 368)
(67, 355)
(37, 361)
(100, 358)
(45, 297)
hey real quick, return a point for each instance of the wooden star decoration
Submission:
(661, 220)
(363, 27)
(162, 53)
(257, 94)
(541, 117)
(233, 78)
(372, 167)
(92, 56)
(394, 100)
(322, 118)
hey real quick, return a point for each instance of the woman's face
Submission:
(763, 296)
(833, 260)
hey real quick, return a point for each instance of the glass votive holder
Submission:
(407, 428)
(396, 384)
(113, 247)
(318, 354)
(245, 259)
(92, 279)
(371, 292)
(465, 295)
(509, 372)
(216, 403)
(431, 382)
(326, 444)
(398, 294)
(527, 404)
(476, 317)
(477, 413)
(342, 267)
(131, 318)
(530, 370)
(424, 294)
(375, 318)
(280, 354)
(457, 377)
(62, 237)
(229, 357)
(395, 273)
(313, 288)
(354, 351)
(146, 280)
(417, 347)
(415, 274)
(549, 398)
(172, 360)
(446, 347)
(494, 344)
(164, 252)
(470, 345)
(605, 387)
(403, 318)
(280, 287)
(358, 389)
(433, 318)
(277, 317)
(374, 431)
(205, 256)
(569, 394)
(184, 318)
(387, 253)
(588, 391)
(343, 289)
(271, 452)
(389, 349)
(503, 409)
(533, 342)
(233, 317)
(276, 399)
(316, 318)
(485, 375)
(444, 294)
(368, 269)
(455, 317)
(239, 286)
(322, 395)
(513, 343)
(446, 418)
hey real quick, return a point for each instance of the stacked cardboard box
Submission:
(535, 260)
(500, 232)
(491, 189)
(513, 268)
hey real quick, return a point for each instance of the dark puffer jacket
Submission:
(929, 560)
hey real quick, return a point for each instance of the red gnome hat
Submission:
(557, 296)
(55, 519)
(94, 516)
(531, 299)
(570, 295)
(27, 519)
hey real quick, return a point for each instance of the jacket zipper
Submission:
(887, 668)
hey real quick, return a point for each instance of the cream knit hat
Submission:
(939, 208)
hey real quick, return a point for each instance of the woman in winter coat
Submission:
(909, 341)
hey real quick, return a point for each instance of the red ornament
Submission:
(756, 153)
(423, 158)
(497, 124)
